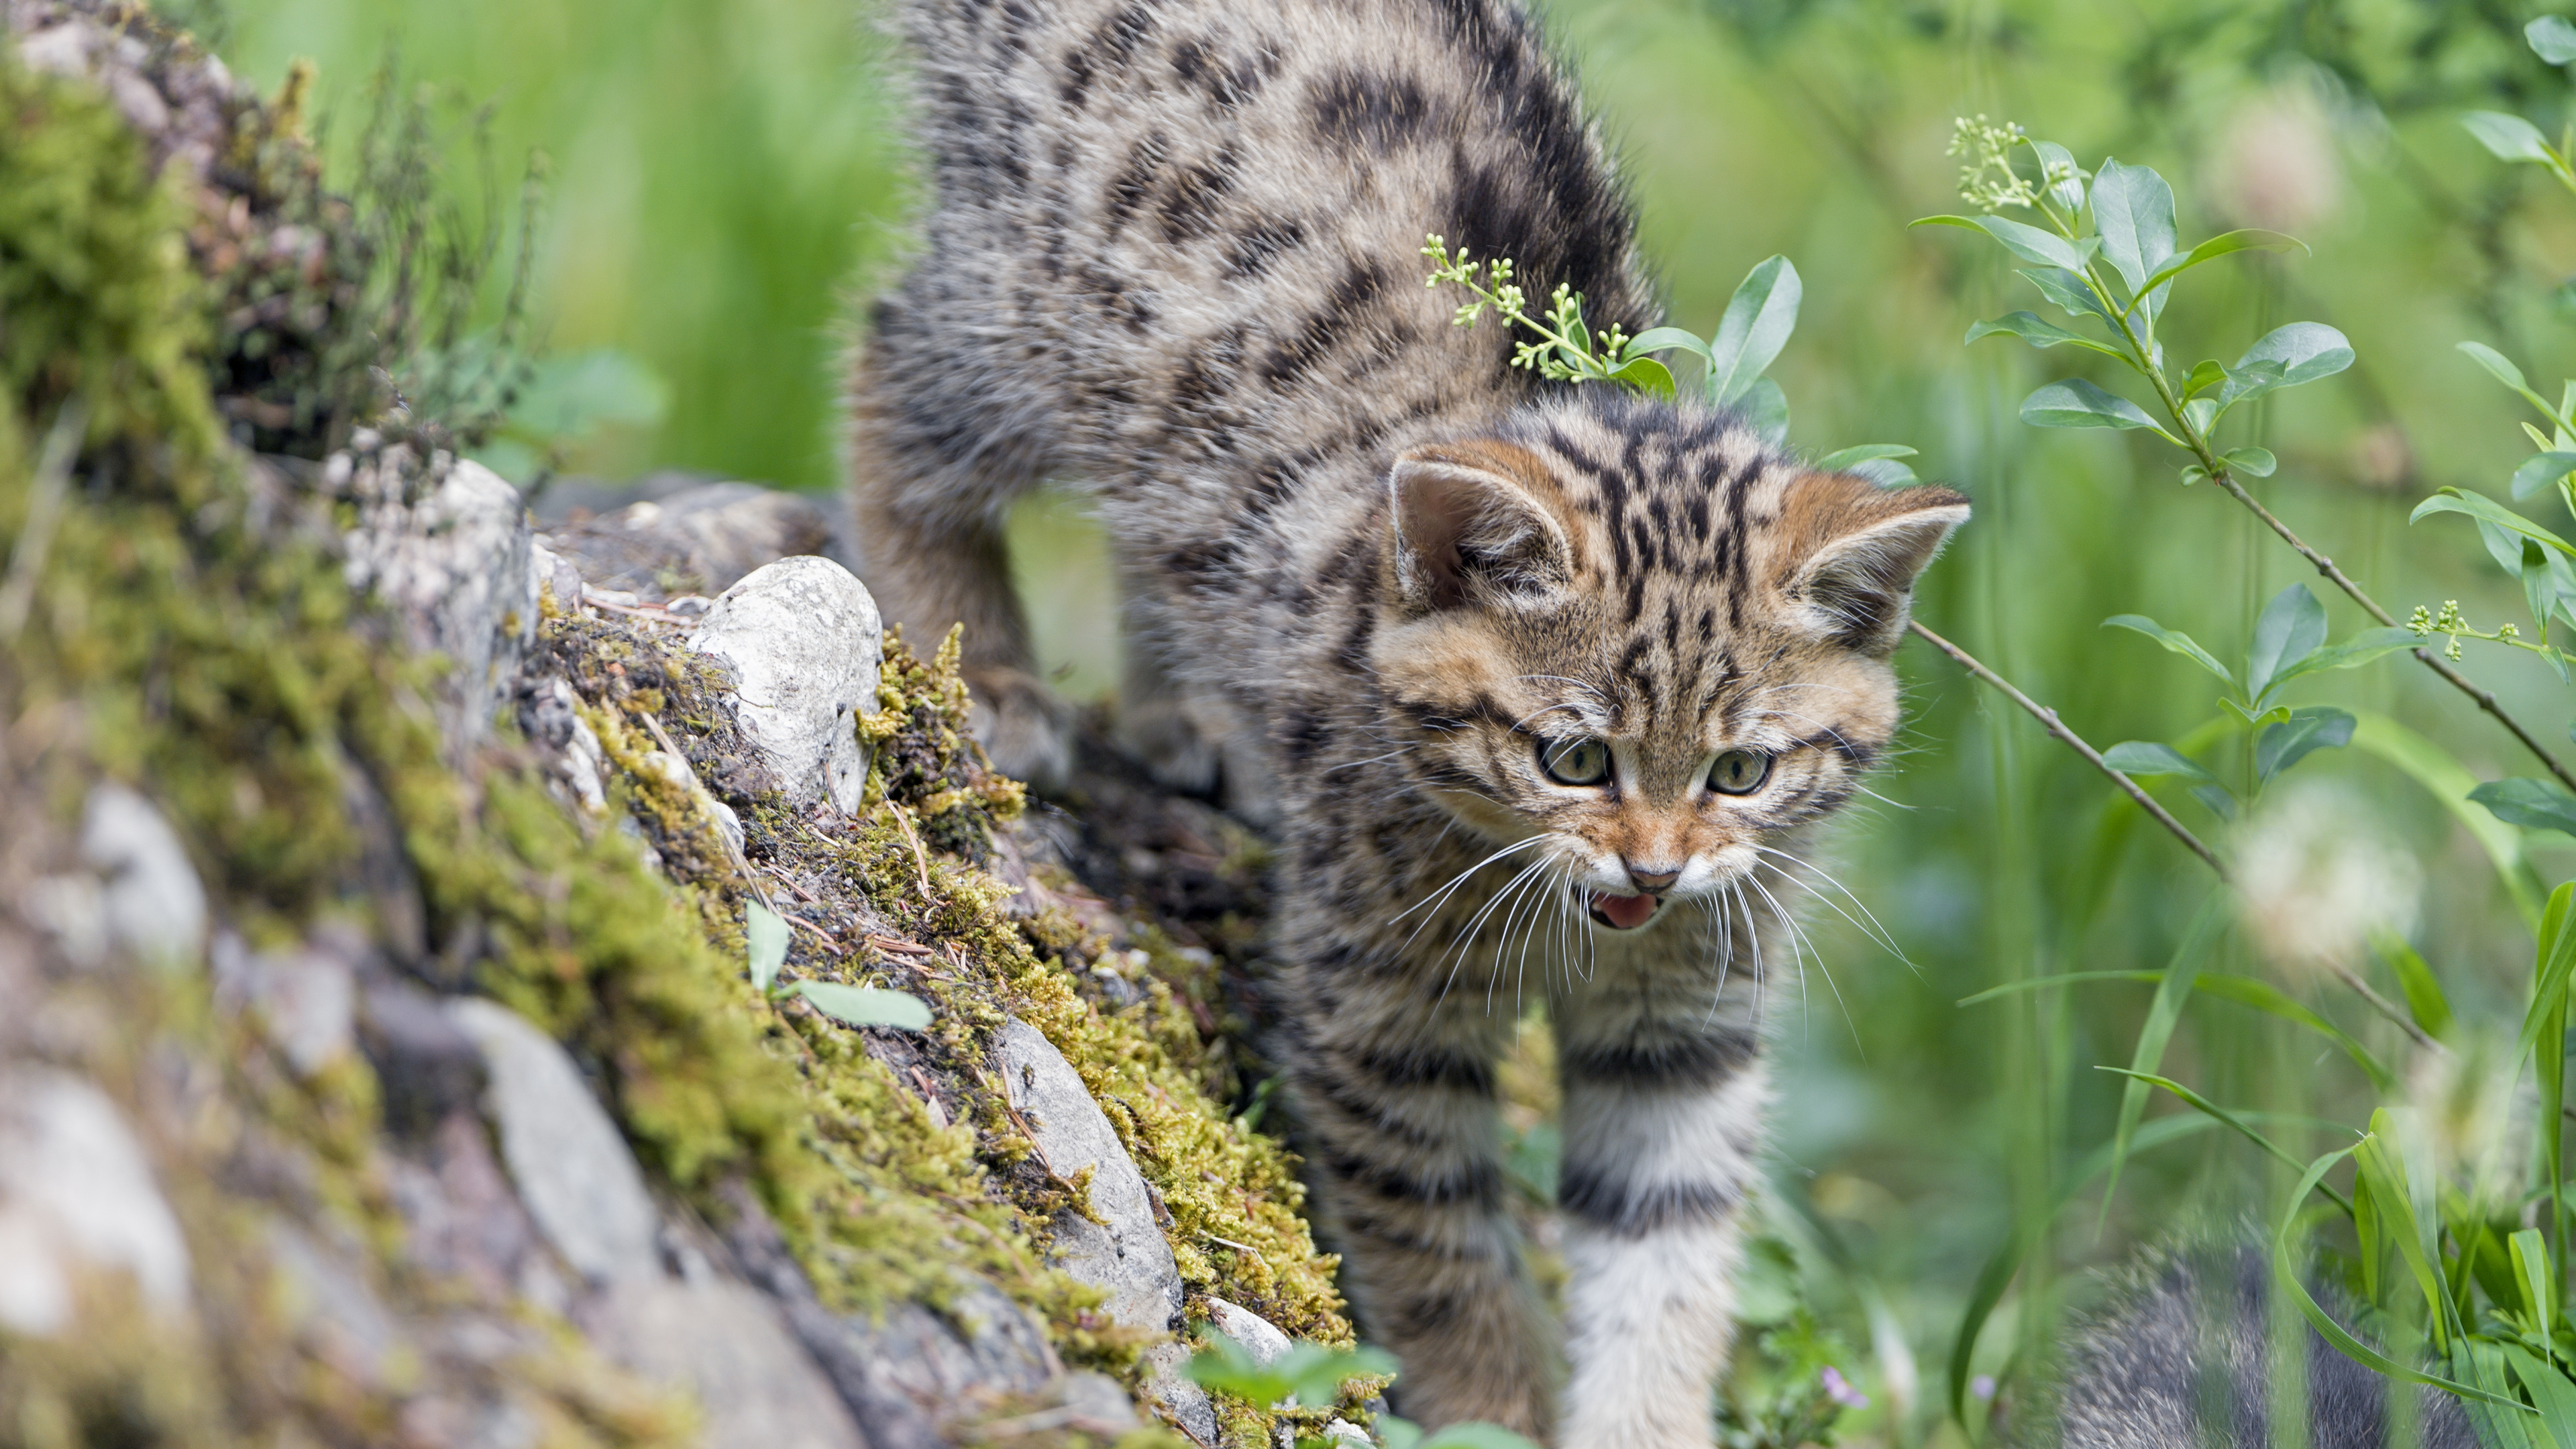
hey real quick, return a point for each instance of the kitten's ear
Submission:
(1474, 525)
(1858, 549)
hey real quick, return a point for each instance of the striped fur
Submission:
(1369, 570)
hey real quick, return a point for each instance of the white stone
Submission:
(804, 642)
(151, 900)
(1129, 1256)
(76, 1192)
(1260, 1338)
(572, 1167)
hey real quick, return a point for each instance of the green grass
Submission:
(725, 175)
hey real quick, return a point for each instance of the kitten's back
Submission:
(1171, 235)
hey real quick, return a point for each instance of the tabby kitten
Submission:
(1542, 687)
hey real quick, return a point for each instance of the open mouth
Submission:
(1622, 913)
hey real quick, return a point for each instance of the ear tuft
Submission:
(1473, 526)
(1859, 551)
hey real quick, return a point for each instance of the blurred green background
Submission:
(727, 174)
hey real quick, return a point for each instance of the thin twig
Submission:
(2057, 727)
(44, 509)
(920, 861)
(2385, 1007)
(2486, 699)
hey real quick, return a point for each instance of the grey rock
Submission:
(1343, 1431)
(984, 1346)
(700, 539)
(804, 643)
(428, 1068)
(77, 1193)
(1129, 1255)
(331, 1310)
(572, 1168)
(1095, 1404)
(1261, 1339)
(447, 546)
(305, 1000)
(152, 904)
(726, 1343)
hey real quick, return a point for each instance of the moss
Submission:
(94, 277)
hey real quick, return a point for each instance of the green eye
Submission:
(1739, 772)
(1574, 762)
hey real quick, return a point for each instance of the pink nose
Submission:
(1657, 881)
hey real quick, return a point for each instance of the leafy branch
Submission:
(2108, 258)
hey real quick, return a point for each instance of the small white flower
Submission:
(2318, 873)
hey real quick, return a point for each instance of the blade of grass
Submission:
(2162, 1015)
(2232, 1120)
(2285, 1271)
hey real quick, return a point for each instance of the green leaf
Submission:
(2549, 1388)
(2230, 1119)
(866, 1005)
(2285, 1271)
(2030, 327)
(2173, 639)
(1841, 460)
(2133, 209)
(1665, 339)
(2541, 470)
(2254, 462)
(2248, 239)
(2552, 959)
(2146, 757)
(2531, 804)
(1758, 321)
(1766, 410)
(2552, 39)
(1647, 376)
(2480, 506)
(2292, 625)
(2070, 291)
(2352, 653)
(2511, 138)
(2424, 999)
(1315, 1373)
(2026, 242)
(2505, 372)
(2208, 374)
(2310, 727)
(2306, 352)
(2498, 364)
(2076, 403)
(765, 933)
(2245, 380)
(2481, 1362)
(1395, 1433)
(2067, 194)
(2531, 1273)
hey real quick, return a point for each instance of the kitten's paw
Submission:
(1160, 733)
(1025, 730)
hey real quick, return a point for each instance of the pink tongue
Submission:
(1626, 912)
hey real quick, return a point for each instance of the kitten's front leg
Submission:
(1395, 1088)
(1662, 1125)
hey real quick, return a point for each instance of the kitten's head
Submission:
(1638, 633)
